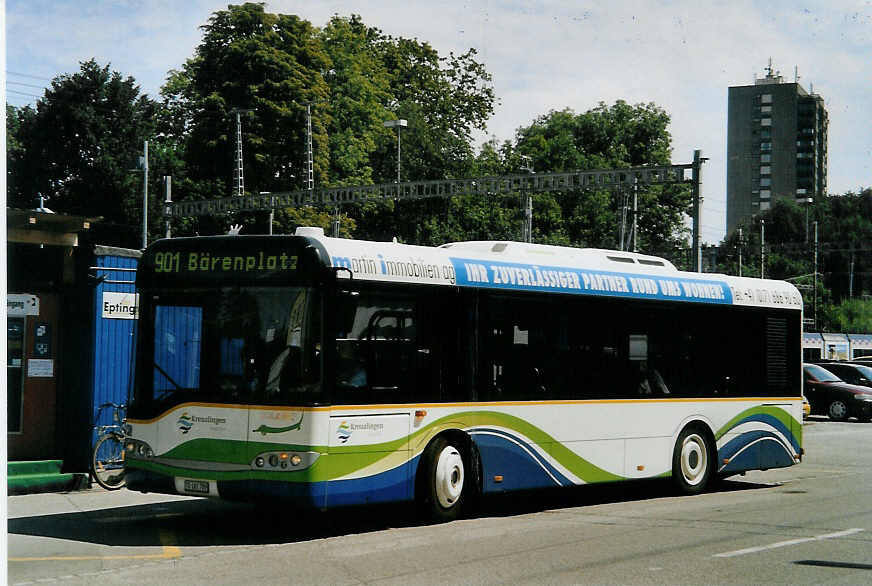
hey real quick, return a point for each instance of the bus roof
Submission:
(521, 266)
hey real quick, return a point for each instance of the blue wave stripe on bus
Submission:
(303, 495)
(556, 279)
(390, 486)
(773, 422)
(514, 459)
(735, 445)
(755, 450)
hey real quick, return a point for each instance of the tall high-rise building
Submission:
(776, 146)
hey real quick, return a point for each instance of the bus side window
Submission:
(376, 347)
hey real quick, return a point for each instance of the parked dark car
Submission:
(830, 395)
(855, 374)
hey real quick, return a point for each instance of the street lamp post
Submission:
(398, 124)
(145, 194)
(808, 201)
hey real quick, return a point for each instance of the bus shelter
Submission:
(861, 345)
(836, 346)
(71, 310)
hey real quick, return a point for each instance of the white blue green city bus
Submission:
(336, 372)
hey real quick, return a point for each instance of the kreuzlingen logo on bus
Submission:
(186, 421)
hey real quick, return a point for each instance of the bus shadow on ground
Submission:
(203, 523)
(599, 494)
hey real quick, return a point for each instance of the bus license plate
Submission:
(198, 486)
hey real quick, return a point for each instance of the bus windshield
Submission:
(230, 345)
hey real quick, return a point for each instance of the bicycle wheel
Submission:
(107, 462)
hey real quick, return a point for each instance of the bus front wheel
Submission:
(692, 461)
(445, 484)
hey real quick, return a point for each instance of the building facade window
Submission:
(765, 109)
(766, 122)
(766, 158)
(765, 181)
(765, 98)
(766, 170)
(765, 194)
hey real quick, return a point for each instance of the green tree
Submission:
(78, 146)
(354, 77)
(271, 64)
(851, 315)
(844, 253)
(16, 153)
(359, 95)
(616, 136)
(443, 99)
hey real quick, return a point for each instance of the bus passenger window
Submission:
(376, 348)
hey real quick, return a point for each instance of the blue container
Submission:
(114, 328)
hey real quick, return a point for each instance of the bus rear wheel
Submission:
(692, 461)
(445, 484)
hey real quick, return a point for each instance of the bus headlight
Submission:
(138, 449)
(279, 461)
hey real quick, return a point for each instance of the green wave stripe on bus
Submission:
(568, 459)
(791, 424)
(211, 450)
(330, 468)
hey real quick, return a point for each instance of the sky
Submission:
(682, 55)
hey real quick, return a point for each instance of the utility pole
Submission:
(851, 277)
(399, 124)
(168, 200)
(310, 167)
(635, 210)
(240, 181)
(621, 235)
(741, 244)
(808, 202)
(814, 304)
(527, 228)
(762, 248)
(145, 194)
(272, 209)
(696, 190)
(310, 174)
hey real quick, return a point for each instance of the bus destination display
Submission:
(205, 263)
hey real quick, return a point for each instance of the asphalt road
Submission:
(809, 524)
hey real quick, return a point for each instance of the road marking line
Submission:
(738, 552)
(169, 552)
(166, 540)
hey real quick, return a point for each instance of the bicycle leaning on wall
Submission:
(107, 457)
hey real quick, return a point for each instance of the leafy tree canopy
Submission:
(352, 77)
(79, 145)
(844, 251)
(615, 136)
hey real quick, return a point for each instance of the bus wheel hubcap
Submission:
(694, 459)
(449, 477)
